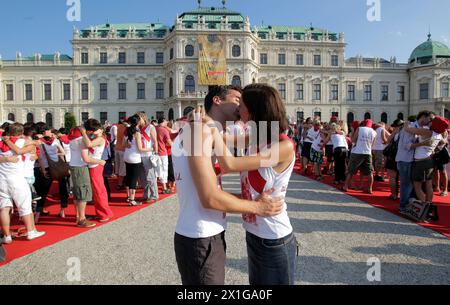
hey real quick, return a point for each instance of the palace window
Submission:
(401, 93)
(104, 91)
(444, 90)
(236, 50)
(334, 92)
(300, 92)
(160, 90)
(9, 92)
(28, 92)
(189, 50)
(334, 60)
(368, 93)
(141, 57)
(159, 58)
(385, 93)
(103, 117)
(282, 59)
(282, 90)
(122, 58)
(424, 91)
(84, 58)
(317, 60)
(189, 84)
(103, 58)
(351, 93)
(317, 92)
(122, 91)
(47, 92)
(236, 81)
(263, 58)
(299, 60)
(141, 91)
(66, 92)
(85, 92)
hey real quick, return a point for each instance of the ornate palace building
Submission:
(119, 69)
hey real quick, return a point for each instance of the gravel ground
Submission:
(337, 234)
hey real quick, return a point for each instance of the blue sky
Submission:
(32, 26)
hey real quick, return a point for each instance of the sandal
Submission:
(134, 203)
(444, 194)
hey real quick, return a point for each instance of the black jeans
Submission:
(43, 185)
(340, 157)
(271, 262)
(201, 261)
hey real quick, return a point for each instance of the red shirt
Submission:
(163, 136)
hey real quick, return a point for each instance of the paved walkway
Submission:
(337, 233)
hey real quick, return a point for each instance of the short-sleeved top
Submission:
(366, 136)
(120, 145)
(163, 136)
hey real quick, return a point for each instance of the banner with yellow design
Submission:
(212, 62)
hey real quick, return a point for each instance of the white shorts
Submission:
(119, 164)
(163, 169)
(18, 191)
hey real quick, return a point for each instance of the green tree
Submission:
(69, 121)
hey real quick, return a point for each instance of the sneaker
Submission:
(7, 240)
(85, 224)
(34, 234)
(403, 211)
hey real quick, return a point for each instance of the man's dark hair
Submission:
(92, 125)
(64, 131)
(29, 130)
(41, 128)
(424, 113)
(219, 91)
(161, 120)
(5, 125)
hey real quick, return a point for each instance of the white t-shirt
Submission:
(66, 148)
(11, 170)
(28, 166)
(132, 155)
(379, 141)
(317, 144)
(339, 140)
(424, 152)
(96, 154)
(253, 184)
(75, 151)
(113, 133)
(364, 142)
(194, 221)
(52, 151)
(311, 134)
(146, 143)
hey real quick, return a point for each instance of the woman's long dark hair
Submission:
(264, 104)
(134, 122)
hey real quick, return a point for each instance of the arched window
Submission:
(189, 84)
(384, 117)
(49, 120)
(11, 117)
(447, 114)
(30, 118)
(171, 114)
(189, 50)
(236, 81)
(350, 118)
(171, 53)
(253, 54)
(236, 51)
(171, 87)
(367, 116)
(401, 116)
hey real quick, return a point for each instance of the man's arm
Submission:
(154, 137)
(16, 149)
(426, 133)
(9, 159)
(211, 196)
(89, 160)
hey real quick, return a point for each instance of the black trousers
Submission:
(340, 156)
(43, 185)
(133, 172)
(171, 174)
(201, 261)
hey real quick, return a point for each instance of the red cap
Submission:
(439, 124)
(334, 119)
(367, 123)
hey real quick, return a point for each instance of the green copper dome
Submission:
(428, 50)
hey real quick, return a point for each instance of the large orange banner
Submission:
(212, 64)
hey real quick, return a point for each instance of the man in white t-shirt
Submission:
(361, 158)
(200, 245)
(14, 187)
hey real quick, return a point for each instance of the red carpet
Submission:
(60, 229)
(380, 199)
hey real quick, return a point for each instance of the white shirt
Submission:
(194, 221)
(96, 154)
(132, 155)
(66, 148)
(339, 140)
(424, 152)
(11, 170)
(75, 151)
(379, 140)
(317, 144)
(113, 132)
(311, 134)
(28, 166)
(52, 151)
(364, 142)
(146, 143)
(253, 184)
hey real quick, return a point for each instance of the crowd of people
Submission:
(412, 156)
(82, 161)
(139, 152)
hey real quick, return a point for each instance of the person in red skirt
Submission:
(94, 139)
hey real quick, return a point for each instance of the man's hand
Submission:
(269, 206)
(82, 130)
(102, 162)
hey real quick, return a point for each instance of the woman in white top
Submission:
(441, 177)
(423, 167)
(271, 244)
(92, 129)
(132, 156)
(340, 152)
